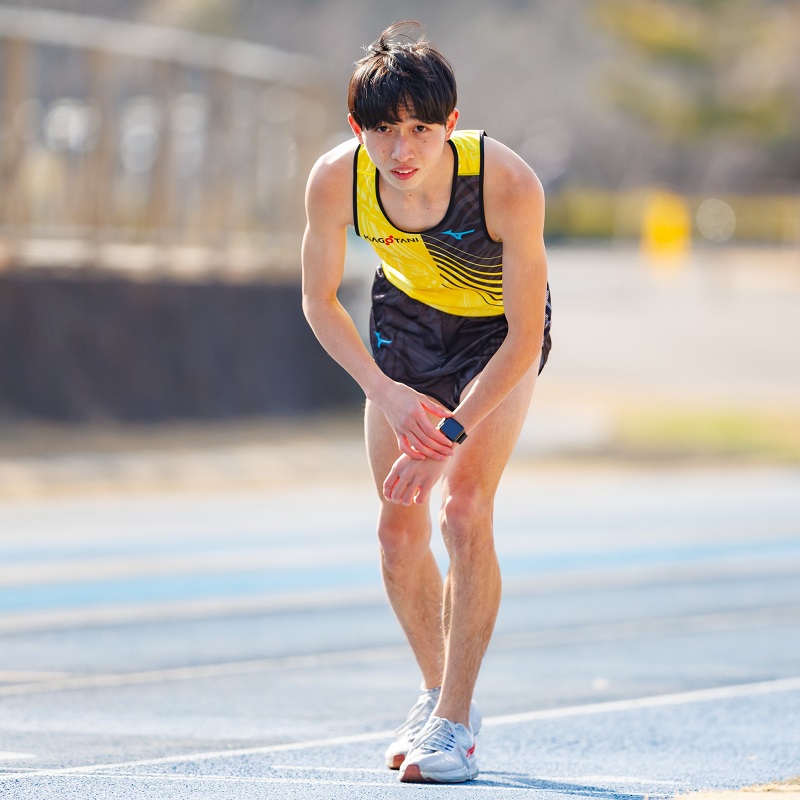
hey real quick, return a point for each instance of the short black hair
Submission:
(401, 72)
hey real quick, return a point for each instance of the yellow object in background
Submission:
(666, 229)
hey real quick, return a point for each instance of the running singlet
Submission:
(454, 267)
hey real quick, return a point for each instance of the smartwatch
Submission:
(452, 429)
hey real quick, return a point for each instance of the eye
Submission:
(382, 129)
(421, 128)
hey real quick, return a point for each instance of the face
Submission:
(408, 152)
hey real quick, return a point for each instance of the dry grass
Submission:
(757, 435)
(779, 790)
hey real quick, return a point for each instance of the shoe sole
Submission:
(413, 774)
(397, 761)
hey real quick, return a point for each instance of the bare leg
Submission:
(410, 572)
(473, 584)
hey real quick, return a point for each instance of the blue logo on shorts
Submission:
(459, 235)
(380, 341)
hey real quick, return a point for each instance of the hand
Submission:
(411, 480)
(409, 413)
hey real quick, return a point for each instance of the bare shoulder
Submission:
(509, 183)
(330, 182)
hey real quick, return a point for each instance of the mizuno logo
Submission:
(380, 341)
(459, 235)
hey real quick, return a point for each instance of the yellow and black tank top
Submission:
(454, 267)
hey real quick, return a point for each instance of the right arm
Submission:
(329, 212)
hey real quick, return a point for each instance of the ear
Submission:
(356, 128)
(450, 125)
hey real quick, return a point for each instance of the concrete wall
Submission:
(93, 347)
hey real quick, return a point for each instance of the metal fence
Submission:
(149, 148)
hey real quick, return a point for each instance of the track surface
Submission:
(237, 644)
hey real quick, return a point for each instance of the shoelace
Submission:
(439, 737)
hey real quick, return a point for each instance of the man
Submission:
(459, 331)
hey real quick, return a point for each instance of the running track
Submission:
(236, 644)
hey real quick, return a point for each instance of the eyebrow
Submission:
(410, 119)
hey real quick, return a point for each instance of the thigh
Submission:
(479, 462)
(381, 440)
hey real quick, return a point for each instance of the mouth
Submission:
(404, 173)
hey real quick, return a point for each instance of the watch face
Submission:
(451, 429)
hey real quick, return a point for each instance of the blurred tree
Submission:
(216, 17)
(709, 70)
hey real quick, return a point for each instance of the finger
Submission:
(433, 443)
(423, 493)
(409, 450)
(388, 486)
(414, 447)
(395, 487)
(399, 494)
(423, 451)
(407, 495)
(403, 492)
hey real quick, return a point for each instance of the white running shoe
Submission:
(443, 752)
(416, 720)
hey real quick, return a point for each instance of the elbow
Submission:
(309, 306)
(306, 306)
(314, 306)
(527, 347)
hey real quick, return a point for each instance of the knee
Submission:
(403, 537)
(466, 520)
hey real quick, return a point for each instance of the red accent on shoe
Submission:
(471, 751)
(398, 761)
(411, 774)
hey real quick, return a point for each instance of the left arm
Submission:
(514, 203)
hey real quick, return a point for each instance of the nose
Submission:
(401, 151)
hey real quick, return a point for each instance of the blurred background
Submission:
(153, 157)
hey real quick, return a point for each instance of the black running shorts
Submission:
(431, 351)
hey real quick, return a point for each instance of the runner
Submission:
(459, 330)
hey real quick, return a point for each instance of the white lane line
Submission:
(18, 676)
(210, 755)
(206, 671)
(647, 575)
(306, 768)
(7, 756)
(720, 621)
(654, 701)
(59, 619)
(612, 631)
(158, 565)
(613, 706)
